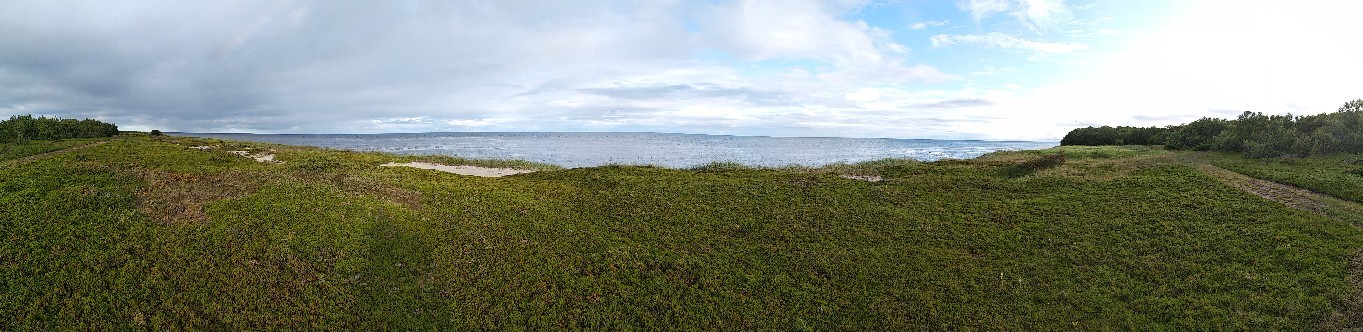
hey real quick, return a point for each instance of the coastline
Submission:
(573, 150)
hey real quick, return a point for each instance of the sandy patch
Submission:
(264, 158)
(465, 170)
(867, 178)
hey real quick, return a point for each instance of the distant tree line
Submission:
(26, 127)
(1255, 134)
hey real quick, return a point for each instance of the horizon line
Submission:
(610, 132)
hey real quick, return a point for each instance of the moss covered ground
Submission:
(149, 232)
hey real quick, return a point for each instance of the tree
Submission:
(25, 127)
(1255, 134)
(1106, 135)
(1196, 135)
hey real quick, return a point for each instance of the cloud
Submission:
(992, 71)
(328, 66)
(760, 30)
(1037, 15)
(1005, 41)
(980, 9)
(955, 103)
(312, 65)
(469, 122)
(691, 92)
(1042, 14)
(1169, 119)
(794, 68)
(926, 24)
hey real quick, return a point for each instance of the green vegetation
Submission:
(1339, 175)
(21, 128)
(15, 150)
(1106, 135)
(153, 233)
(1254, 134)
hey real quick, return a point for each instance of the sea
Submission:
(660, 149)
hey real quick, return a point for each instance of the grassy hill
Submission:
(150, 232)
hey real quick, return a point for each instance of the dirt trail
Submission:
(1289, 195)
(29, 159)
(1347, 315)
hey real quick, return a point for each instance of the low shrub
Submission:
(1036, 164)
(318, 163)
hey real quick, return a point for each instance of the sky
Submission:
(963, 69)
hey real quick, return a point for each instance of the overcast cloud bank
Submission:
(964, 69)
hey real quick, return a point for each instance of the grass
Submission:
(13, 150)
(143, 232)
(1338, 175)
(871, 167)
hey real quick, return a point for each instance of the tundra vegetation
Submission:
(178, 233)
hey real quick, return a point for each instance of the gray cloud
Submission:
(198, 68)
(691, 91)
(357, 66)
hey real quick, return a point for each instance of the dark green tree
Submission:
(1196, 135)
(26, 127)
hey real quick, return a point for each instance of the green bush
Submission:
(1256, 135)
(318, 163)
(1032, 166)
(21, 128)
(1106, 135)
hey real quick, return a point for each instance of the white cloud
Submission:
(991, 71)
(980, 9)
(1005, 41)
(469, 122)
(1215, 58)
(1042, 14)
(926, 24)
(759, 30)
(1038, 15)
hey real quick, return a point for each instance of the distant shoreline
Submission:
(578, 149)
(193, 134)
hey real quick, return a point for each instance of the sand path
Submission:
(264, 158)
(463, 170)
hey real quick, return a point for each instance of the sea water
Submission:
(669, 150)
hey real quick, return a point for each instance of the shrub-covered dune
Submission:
(149, 232)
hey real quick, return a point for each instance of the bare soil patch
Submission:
(464, 170)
